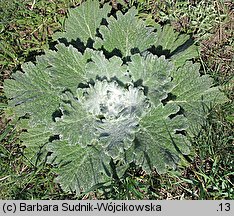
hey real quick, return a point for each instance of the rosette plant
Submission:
(113, 92)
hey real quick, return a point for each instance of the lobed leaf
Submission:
(195, 94)
(78, 168)
(179, 47)
(67, 66)
(101, 67)
(75, 126)
(84, 21)
(32, 92)
(125, 34)
(158, 143)
(117, 135)
(154, 73)
(35, 139)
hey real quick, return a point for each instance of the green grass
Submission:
(26, 27)
(207, 173)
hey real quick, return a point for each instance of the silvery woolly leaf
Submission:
(110, 100)
(35, 139)
(67, 66)
(110, 69)
(117, 135)
(79, 168)
(32, 92)
(119, 109)
(178, 47)
(75, 126)
(158, 142)
(195, 95)
(154, 73)
(125, 34)
(84, 21)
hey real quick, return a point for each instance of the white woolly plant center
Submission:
(110, 100)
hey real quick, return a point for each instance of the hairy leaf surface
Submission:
(67, 66)
(120, 109)
(117, 135)
(195, 94)
(75, 126)
(100, 67)
(178, 47)
(154, 73)
(32, 92)
(78, 168)
(83, 22)
(157, 144)
(35, 139)
(126, 34)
